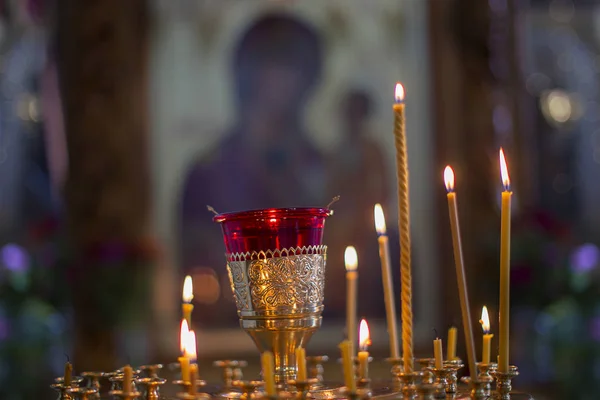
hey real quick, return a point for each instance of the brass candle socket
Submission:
(93, 380)
(116, 382)
(248, 388)
(504, 382)
(63, 391)
(363, 388)
(410, 381)
(453, 366)
(397, 368)
(125, 395)
(185, 386)
(75, 381)
(301, 388)
(428, 390)
(425, 365)
(279, 297)
(83, 393)
(232, 371)
(197, 396)
(151, 371)
(485, 376)
(315, 368)
(441, 381)
(150, 387)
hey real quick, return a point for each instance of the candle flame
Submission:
(449, 178)
(190, 346)
(364, 337)
(399, 93)
(379, 220)
(351, 258)
(504, 171)
(183, 334)
(485, 320)
(188, 290)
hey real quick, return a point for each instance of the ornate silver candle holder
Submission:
(453, 366)
(132, 395)
(425, 365)
(150, 387)
(428, 390)
(504, 382)
(63, 391)
(75, 381)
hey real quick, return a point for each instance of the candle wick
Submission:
(333, 201)
(435, 333)
(67, 357)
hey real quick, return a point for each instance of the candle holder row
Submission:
(427, 384)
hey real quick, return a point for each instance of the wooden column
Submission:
(102, 62)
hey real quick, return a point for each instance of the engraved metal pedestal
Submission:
(279, 297)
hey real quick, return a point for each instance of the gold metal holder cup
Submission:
(425, 365)
(125, 395)
(186, 385)
(301, 388)
(504, 382)
(363, 388)
(428, 390)
(397, 368)
(279, 296)
(93, 380)
(83, 393)
(63, 391)
(249, 388)
(151, 387)
(75, 381)
(441, 381)
(316, 369)
(453, 366)
(232, 371)
(410, 382)
(151, 370)
(485, 377)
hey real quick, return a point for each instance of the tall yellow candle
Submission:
(451, 350)
(487, 336)
(301, 363)
(351, 261)
(363, 354)
(348, 365)
(504, 325)
(67, 379)
(386, 277)
(437, 353)
(461, 278)
(268, 371)
(404, 229)
(127, 379)
(187, 296)
(184, 361)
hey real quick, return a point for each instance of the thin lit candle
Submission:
(187, 296)
(404, 228)
(363, 355)
(461, 278)
(351, 261)
(386, 277)
(487, 336)
(504, 315)
(184, 361)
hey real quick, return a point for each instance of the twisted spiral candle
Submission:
(404, 228)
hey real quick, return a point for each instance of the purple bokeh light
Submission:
(585, 258)
(14, 257)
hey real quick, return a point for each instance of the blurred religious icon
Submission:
(266, 158)
(358, 173)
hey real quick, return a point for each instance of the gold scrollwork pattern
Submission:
(294, 281)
